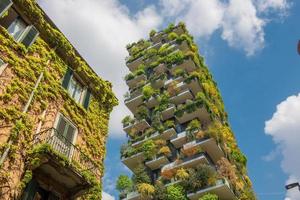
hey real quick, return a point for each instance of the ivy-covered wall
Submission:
(52, 54)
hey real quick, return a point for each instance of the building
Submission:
(54, 110)
(180, 145)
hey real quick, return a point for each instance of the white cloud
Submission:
(106, 196)
(284, 127)
(100, 30)
(266, 5)
(242, 28)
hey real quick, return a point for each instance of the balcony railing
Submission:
(64, 147)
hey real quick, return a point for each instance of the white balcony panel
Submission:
(221, 189)
(199, 113)
(157, 162)
(137, 126)
(133, 161)
(133, 65)
(133, 103)
(152, 102)
(208, 145)
(133, 82)
(181, 97)
(187, 65)
(179, 140)
(133, 196)
(168, 113)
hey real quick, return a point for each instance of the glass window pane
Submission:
(72, 87)
(77, 93)
(61, 125)
(70, 133)
(17, 28)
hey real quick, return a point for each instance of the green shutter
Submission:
(67, 78)
(30, 190)
(87, 98)
(30, 36)
(4, 6)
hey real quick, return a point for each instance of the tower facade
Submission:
(54, 111)
(180, 145)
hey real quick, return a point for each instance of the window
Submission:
(66, 129)
(76, 90)
(4, 6)
(16, 26)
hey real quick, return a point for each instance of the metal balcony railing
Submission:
(63, 146)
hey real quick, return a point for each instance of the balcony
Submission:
(63, 163)
(187, 65)
(160, 69)
(181, 97)
(179, 140)
(133, 161)
(134, 64)
(158, 82)
(168, 113)
(208, 145)
(132, 196)
(137, 126)
(158, 37)
(200, 113)
(222, 189)
(178, 79)
(183, 46)
(166, 135)
(152, 102)
(194, 86)
(133, 82)
(134, 102)
(188, 162)
(157, 163)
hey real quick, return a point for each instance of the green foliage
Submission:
(194, 125)
(209, 197)
(140, 175)
(239, 157)
(172, 36)
(152, 33)
(142, 113)
(169, 124)
(127, 120)
(176, 192)
(124, 183)
(149, 149)
(148, 91)
(174, 58)
(169, 28)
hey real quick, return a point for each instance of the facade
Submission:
(54, 111)
(180, 145)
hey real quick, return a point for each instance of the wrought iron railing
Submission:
(63, 146)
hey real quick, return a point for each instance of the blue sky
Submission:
(250, 48)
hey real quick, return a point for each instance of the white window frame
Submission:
(83, 93)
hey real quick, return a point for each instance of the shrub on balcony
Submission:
(174, 58)
(142, 113)
(170, 27)
(140, 175)
(128, 150)
(156, 123)
(124, 184)
(165, 150)
(200, 177)
(168, 174)
(182, 174)
(209, 197)
(172, 36)
(194, 125)
(149, 149)
(160, 191)
(179, 72)
(129, 76)
(169, 124)
(149, 53)
(148, 91)
(146, 190)
(188, 152)
(239, 157)
(152, 33)
(127, 120)
(176, 192)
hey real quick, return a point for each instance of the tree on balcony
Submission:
(124, 184)
(176, 192)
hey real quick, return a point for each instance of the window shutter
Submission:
(4, 6)
(30, 36)
(67, 78)
(87, 98)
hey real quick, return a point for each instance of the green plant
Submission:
(176, 57)
(149, 149)
(176, 192)
(142, 113)
(129, 76)
(172, 36)
(127, 120)
(124, 183)
(140, 175)
(165, 150)
(209, 197)
(182, 174)
(193, 125)
(148, 91)
(169, 124)
(169, 28)
(152, 33)
(146, 190)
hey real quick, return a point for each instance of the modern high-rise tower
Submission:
(180, 145)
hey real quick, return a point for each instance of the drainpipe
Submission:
(25, 109)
